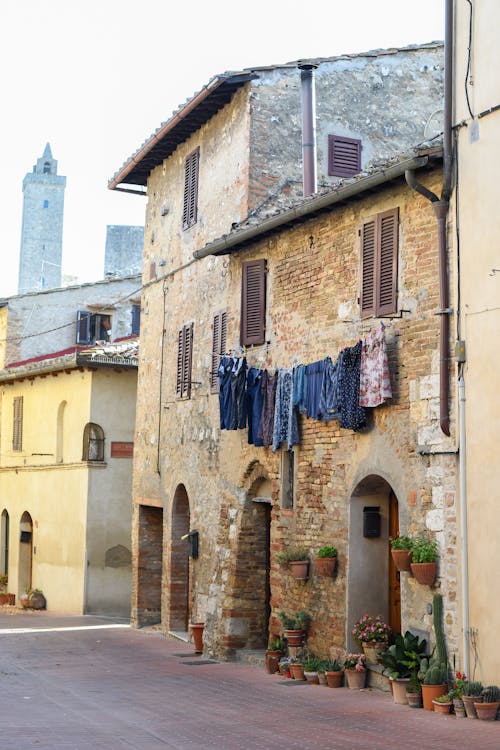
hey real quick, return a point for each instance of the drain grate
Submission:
(200, 661)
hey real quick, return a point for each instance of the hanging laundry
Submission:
(254, 405)
(225, 399)
(238, 384)
(300, 388)
(375, 381)
(285, 415)
(268, 389)
(352, 415)
(329, 404)
(314, 374)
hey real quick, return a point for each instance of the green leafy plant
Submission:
(443, 698)
(403, 658)
(472, 689)
(333, 665)
(402, 542)
(311, 662)
(276, 645)
(458, 686)
(414, 686)
(424, 549)
(327, 551)
(291, 554)
(299, 621)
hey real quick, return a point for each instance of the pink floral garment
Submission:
(374, 381)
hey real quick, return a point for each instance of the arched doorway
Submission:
(179, 585)
(146, 602)
(25, 553)
(373, 582)
(4, 543)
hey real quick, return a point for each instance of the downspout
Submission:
(464, 541)
(440, 207)
(308, 99)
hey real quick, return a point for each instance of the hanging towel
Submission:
(225, 401)
(375, 381)
(300, 388)
(314, 374)
(268, 389)
(329, 406)
(285, 416)
(254, 405)
(352, 415)
(238, 405)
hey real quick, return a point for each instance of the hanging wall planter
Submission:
(299, 569)
(424, 573)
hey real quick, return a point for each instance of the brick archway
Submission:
(179, 578)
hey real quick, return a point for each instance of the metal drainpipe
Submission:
(308, 99)
(463, 525)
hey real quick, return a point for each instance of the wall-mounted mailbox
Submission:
(371, 521)
(193, 544)
(26, 537)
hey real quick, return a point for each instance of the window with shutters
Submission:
(379, 264)
(184, 361)
(92, 327)
(344, 156)
(136, 320)
(253, 302)
(190, 208)
(17, 424)
(218, 347)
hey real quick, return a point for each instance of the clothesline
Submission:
(269, 402)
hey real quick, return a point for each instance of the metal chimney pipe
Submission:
(308, 98)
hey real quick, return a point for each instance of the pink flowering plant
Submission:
(354, 661)
(370, 629)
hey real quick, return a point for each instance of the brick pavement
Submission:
(123, 689)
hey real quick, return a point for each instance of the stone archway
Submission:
(25, 553)
(179, 584)
(371, 578)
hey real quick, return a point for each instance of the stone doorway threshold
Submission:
(180, 635)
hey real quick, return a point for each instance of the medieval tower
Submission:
(42, 227)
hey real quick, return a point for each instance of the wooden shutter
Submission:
(344, 156)
(184, 361)
(136, 320)
(379, 264)
(17, 424)
(218, 347)
(83, 327)
(253, 302)
(190, 207)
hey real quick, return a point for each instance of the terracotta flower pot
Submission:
(295, 637)
(297, 671)
(442, 708)
(356, 680)
(7, 599)
(399, 694)
(373, 649)
(429, 692)
(311, 677)
(325, 566)
(402, 559)
(487, 711)
(197, 631)
(424, 573)
(414, 700)
(459, 708)
(322, 678)
(272, 660)
(469, 705)
(334, 679)
(299, 569)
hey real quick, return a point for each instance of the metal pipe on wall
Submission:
(308, 99)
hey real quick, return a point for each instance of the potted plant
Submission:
(295, 626)
(274, 652)
(456, 694)
(471, 694)
(296, 668)
(37, 599)
(487, 709)
(373, 635)
(442, 704)
(334, 673)
(424, 560)
(355, 671)
(414, 692)
(326, 561)
(433, 672)
(401, 552)
(296, 559)
(5, 597)
(310, 664)
(322, 667)
(402, 662)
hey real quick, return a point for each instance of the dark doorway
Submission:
(149, 565)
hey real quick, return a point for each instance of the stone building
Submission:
(228, 165)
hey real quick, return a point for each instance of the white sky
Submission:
(95, 79)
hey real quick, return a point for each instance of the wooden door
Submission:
(394, 584)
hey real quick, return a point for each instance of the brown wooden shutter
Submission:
(344, 156)
(368, 269)
(218, 347)
(388, 264)
(17, 424)
(379, 264)
(184, 361)
(190, 206)
(253, 302)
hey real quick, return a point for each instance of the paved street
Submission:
(81, 683)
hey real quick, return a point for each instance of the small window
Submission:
(218, 347)
(190, 207)
(17, 424)
(93, 442)
(288, 478)
(46, 167)
(92, 327)
(344, 156)
(136, 320)
(184, 361)
(379, 264)
(253, 302)
(45, 203)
